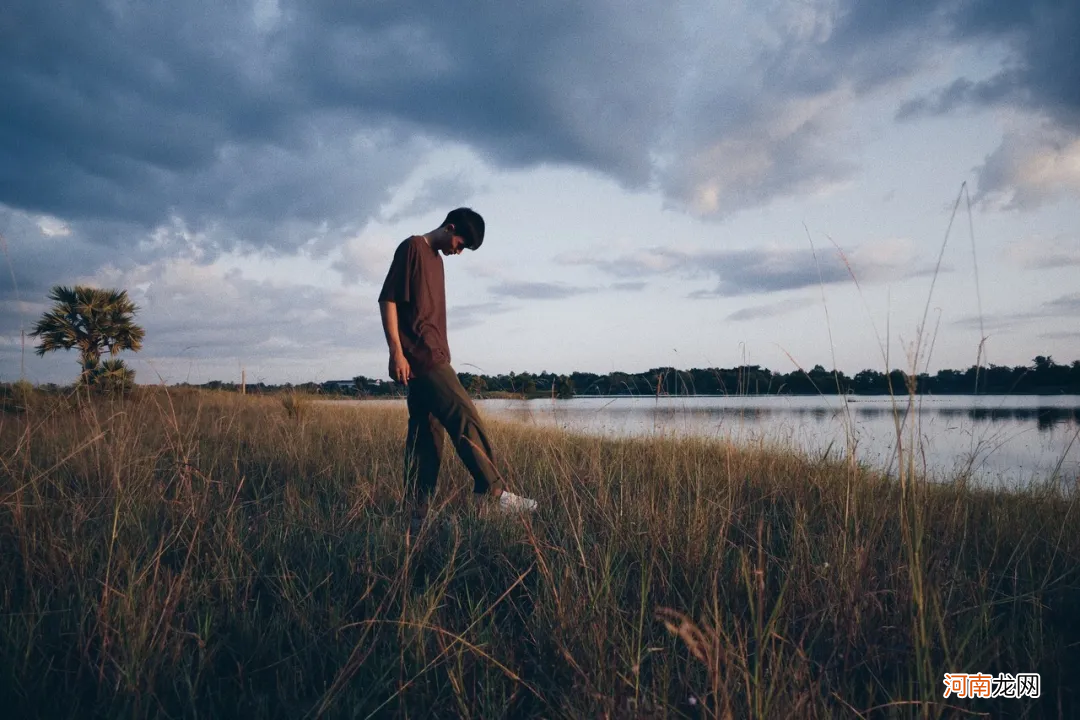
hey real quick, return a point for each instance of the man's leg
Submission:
(451, 405)
(423, 448)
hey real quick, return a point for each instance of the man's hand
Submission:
(399, 368)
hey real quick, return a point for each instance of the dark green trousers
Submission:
(437, 401)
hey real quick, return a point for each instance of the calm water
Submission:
(1007, 440)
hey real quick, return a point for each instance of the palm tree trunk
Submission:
(91, 363)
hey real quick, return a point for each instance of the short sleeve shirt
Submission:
(416, 284)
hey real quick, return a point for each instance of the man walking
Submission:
(413, 308)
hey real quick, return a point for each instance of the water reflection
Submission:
(1001, 440)
(1045, 418)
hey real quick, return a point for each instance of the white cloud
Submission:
(888, 259)
(53, 227)
(746, 271)
(1040, 252)
(788, 146)
(1031, 167)
(210, 312)
(366, 258)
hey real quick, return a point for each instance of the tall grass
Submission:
(181, 553)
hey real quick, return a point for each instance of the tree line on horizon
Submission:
(101, 323)
(1043, 376)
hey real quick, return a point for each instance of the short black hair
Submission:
(468, 224)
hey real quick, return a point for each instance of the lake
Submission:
(1007, 440)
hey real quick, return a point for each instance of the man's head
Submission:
(466, 224)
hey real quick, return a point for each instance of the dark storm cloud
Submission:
(273, 124)
(1042, 72)
(537, 290)
(754, 271)
(263, 123)
(960, 93)
(38, 260)
(526, 83)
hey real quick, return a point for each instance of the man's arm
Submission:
(399, 366)
(388, 310)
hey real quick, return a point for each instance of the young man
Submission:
(413, 307)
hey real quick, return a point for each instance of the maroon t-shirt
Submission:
(415, 283)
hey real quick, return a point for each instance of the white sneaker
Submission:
(509, 502)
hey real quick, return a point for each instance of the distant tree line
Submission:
(1043, 376)
(99, 324)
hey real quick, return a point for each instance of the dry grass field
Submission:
(182, 554)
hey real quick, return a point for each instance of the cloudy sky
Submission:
(696, 184)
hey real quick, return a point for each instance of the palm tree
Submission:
(95, 322)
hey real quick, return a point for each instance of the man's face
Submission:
(457, 244)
